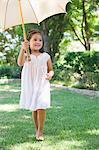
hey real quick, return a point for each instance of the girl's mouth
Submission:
(37, 45)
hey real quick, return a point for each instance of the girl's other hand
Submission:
(48, 76)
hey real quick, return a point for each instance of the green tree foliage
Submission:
(9, 47)
(83, 20)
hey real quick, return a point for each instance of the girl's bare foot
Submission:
(36, 135)
(39, 136)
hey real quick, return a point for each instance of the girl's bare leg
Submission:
(41, 115)
(34, 116)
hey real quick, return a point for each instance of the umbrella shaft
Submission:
(23, 27)
(22, 20)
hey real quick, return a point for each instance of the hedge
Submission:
(10, 72)
(81, 68)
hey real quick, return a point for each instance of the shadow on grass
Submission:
(72, 128)
(72, 118)
(16, 127)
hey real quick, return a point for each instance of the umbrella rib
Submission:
(5, 14)
(62, 9)
(33, 11)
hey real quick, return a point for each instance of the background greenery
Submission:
(79, 70)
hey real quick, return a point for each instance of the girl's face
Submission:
(36, 42)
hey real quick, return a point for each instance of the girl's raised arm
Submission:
(21, 57)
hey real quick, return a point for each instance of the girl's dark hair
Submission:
(31, 33)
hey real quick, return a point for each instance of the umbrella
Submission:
(30, 11)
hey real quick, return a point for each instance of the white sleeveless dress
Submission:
(35, 89)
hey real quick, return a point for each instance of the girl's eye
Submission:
(38, 40)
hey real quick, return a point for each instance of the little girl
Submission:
(35, 86)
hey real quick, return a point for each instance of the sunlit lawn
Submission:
(72, 122)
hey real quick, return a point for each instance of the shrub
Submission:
(10, 72)
(80, 67)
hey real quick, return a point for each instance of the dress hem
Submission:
(35, 108)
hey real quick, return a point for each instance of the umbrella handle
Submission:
(23, 27)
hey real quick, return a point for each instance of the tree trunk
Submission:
(85, 28)
(85, 31)
(45, 35)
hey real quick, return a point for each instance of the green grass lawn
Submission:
(72, 122)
